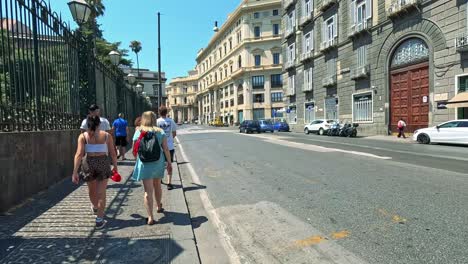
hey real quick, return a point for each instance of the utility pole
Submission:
(159, 62)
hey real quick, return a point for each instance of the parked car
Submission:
(218, 122)
(249, 126)
(452, 132)
(266, 126)
(319, 126)
(281, 126)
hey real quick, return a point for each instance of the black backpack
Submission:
(149, 149)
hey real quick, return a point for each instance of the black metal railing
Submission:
(46, 77)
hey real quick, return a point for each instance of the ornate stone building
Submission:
(240, 68)
(374, 61)
(182, 99)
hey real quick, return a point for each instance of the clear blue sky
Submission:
(186, 26)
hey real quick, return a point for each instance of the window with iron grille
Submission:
(277, 97)
(276, 80)
(258, 82)
(362, 108)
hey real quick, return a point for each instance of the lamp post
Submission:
(114, 57)
(81, 13)
(132, 80)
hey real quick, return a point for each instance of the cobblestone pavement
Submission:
(57, 226)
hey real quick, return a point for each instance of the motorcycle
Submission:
(334, 129)
(349, 130)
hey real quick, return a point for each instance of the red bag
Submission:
(136, 146)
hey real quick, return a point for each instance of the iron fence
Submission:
(46, 78)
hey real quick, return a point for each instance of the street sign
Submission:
(288, 111)
(310, 108)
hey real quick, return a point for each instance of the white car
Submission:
(319, 126)
(455, 132)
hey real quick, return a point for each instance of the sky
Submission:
(186, 27)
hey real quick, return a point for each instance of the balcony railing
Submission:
(361, 72)
(461, 43)
(307, 55)
(329, 44)
(305, 19)
(400, 6)
(289, 64)
(288, 3)
(289, 31)
(327, 4)
(361, 27)
(329, 80)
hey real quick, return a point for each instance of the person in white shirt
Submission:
(170, 128)
(94, 110)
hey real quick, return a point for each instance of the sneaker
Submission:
(94, 210)
(169, 186)
(101, 224)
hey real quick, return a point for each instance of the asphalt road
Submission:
(293, 198)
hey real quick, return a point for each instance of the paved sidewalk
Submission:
(393, 138)
(57, 226)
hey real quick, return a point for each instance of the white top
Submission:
(95, 148)
(169, 126)
(104, 126)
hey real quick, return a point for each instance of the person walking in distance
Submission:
(120, 127)
(151, 152)
(92, 164)
(170, 128)
(401, 128)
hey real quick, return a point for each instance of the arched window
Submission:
(411, 51)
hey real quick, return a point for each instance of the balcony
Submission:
(307, 88)
(329, 44)
(288, 3)
(289, 31)
(307, 56)
(306, 19)
(359, 28)
(361, 72)
(289, 64)
(329, 80)
(461, 43)
(327, 4)
(397, 7)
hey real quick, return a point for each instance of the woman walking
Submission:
(151, 172)
(92, 163)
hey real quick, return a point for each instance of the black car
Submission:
(249, 126)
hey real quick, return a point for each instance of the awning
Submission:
(459, 100)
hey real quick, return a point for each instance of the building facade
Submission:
(150, 82)
(374, 61)
(239, 71)
(182, 98)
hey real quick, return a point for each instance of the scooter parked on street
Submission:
(349, 130)
(334, 129)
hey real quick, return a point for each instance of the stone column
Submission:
(267, 97)
(248, 100)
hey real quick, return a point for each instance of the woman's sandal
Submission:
(160, 209)
(150, 223)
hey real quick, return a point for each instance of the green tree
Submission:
(136, 47)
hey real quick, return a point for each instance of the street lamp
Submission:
(131, 79)
(114, 57)
(80, 10)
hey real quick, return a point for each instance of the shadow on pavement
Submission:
(198, 221)
(194, 188)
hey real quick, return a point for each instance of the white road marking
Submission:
(316, 148)
(220, 226)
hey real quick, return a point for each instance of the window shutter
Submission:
(369, 9)
(352, 14)
(335, 25)
(312, 40)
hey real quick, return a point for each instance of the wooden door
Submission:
(409, 97)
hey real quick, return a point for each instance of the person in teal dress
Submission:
(151, 173)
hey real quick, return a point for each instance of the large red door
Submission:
(409, 97)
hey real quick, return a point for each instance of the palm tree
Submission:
(136, 47)
(97, 8)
